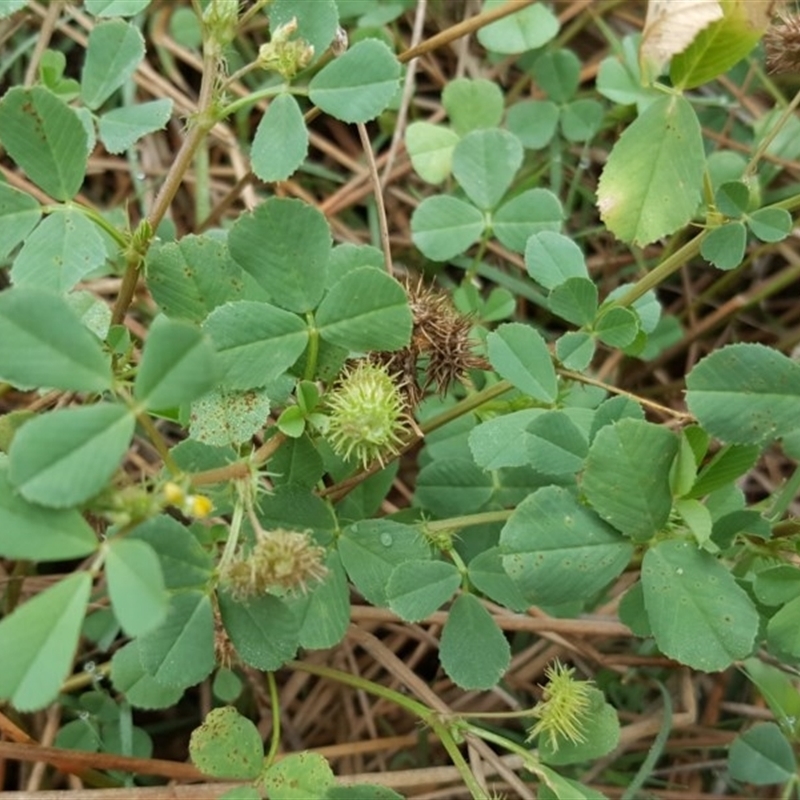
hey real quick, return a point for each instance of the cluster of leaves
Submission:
(561, 486)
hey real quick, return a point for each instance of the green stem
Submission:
(119, 238)
(233, 534)
(203, 122)
(157, 440)
(666, 268)
(466, 405)
(261, 94)
(428, 717)
(456, 523)
(412, 706)
(275, 738)
(769, 138)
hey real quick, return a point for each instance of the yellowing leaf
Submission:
(669, 28)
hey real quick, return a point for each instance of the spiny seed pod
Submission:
(280, 559)
(443, 335)
(367, 415)
(563, 709)
(782, 44)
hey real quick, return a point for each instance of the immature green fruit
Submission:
(367, 417)
(562, 712)
(280, 559)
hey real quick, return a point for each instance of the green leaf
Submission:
(452, 486)
(783, 631)
(19, 215)
(520, 355)
(633, 613)
(227, 746)
(324, 612)
(42, 634)
(193, 276)
(626, 454)
(62, 249)
(11, 6)
(227, 686)
(724, 246)
(575, 350)
(575, 300)
(581, 119)
(431, 150)
(443, 227)
(361, 791)
(716, 48)
(46, 138)
(472, 104)
(141, 689)
(470, 666)
(184, 562)
(298, 461)
(114, 51)
(484, 163)
(64, 457)
(45, 344)
(371, 549)
(135, 585)
(255, 342)
(115, 8)
(121, 128)
(31, 532)
(263, 630)
(778, 689)
(417, 588)
(697, 519)
(762, 755)
(182, 559)
(223, 417)
(558, 74)
(502, 441)
(551, 259)
(733, 198)
(777, 585)
(652, 180)
(613, 410)
(526, 214)
(296, 509)
(486, 574)
(617, 327)
(284, 244)
(770, 224)
(347, 257)
(299, 776)
(178, 365)
(180, 651)
(555, 444)
(533, 122)
(527, 29)
(359, 84)
(745, 394)
(730, 463)
(365, 310)
(281, 142)
(556, 550)
(698, 613)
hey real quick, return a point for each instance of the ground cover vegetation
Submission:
(399, 398)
